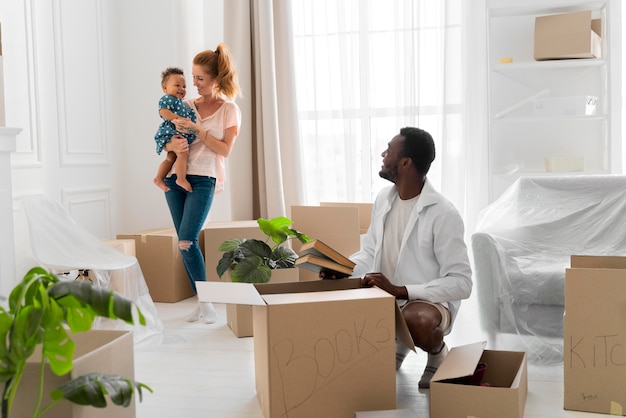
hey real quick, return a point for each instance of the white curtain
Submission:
(365, 69)
(269, 101)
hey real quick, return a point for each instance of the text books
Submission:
(316, 255)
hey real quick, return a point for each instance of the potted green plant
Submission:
(252, 260)
(42, 309)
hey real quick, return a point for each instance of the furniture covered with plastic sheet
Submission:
(523, 243)
(60, 245)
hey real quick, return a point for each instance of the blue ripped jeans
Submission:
(189, 212)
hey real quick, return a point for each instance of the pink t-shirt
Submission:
(202, 160)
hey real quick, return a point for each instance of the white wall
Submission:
(82, 79)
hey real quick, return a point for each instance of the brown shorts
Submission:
(445, 313)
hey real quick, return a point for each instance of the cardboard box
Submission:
(390, 413)
(118, 280)
(239, 317)
(102, 351)
(506, 374)
(323, 348)
(365, 212)
(594, 335)
(217, 232)
(126, 246)
(567, 36)
(337, 226)
(162, 264)
(564, 164)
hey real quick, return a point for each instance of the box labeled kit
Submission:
(594, 335)
(567, 36)
(321, 348)
(162, 264)
(101, 351)
(501, 392)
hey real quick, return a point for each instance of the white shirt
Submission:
(432, 262)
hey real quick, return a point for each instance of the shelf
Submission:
(507, 69)
(537, 108)
(512, 8)
(556, 119)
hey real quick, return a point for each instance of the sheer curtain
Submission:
(366, 68)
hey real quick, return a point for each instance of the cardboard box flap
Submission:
(250, 294)
(233, 292)
(310, 286)
(334, 296)
(601, 262)
(460, 362)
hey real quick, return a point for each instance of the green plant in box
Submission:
(41, 310)
(252, 260)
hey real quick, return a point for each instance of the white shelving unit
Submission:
(522, 135)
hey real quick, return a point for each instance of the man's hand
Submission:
(326, 274)
(379, 280)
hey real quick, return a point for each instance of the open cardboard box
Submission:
(102, 351)
(239, 317)
(506, 375)
(567, 36)
(594, 335)
(322, 348)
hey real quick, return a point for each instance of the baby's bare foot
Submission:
(184, 184)
(161, 184)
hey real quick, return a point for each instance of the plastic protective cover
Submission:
(522, 246)
(64, 248)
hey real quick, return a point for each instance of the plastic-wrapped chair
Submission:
(62, 246)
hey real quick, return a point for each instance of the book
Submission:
(316, 264)
(320, 249)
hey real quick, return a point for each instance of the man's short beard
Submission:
(386, 175)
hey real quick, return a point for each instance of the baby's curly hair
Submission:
(169, 72)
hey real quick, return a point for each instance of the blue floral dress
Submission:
(167, 129)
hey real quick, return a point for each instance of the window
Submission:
(365, 69)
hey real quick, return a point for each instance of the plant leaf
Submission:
(251, 270)
(255, 247)
(284, 257)
(26, 334)
(225, 263)
(103, 302)
(59, 350)
(275, 228)
(300, 236)
(231, 244)
(90, 389)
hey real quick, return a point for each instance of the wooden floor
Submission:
(198, 370)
